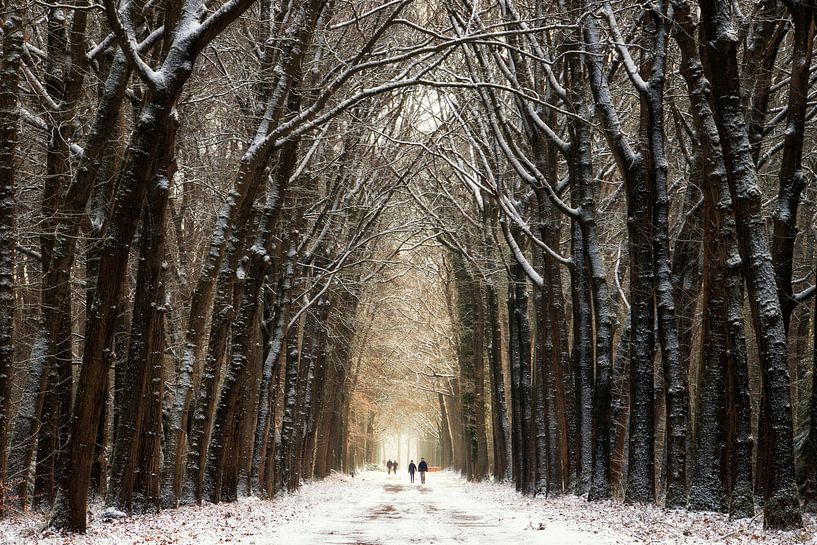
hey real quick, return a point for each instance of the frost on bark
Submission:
(582, 352)
(467, 354)
(792, 178)
(499, 408)
(581, 172)
(722, 467)
(165, 85)
(223, 457)
(644, 171)
(135, 471)
(11, 49)
(640, 198)
(782, 505)
(810, 489)
(520, 366)
(213, 293)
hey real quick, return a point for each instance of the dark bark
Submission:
(810, 489)
(133, 479)
(318, 388)
(223, 456)
(71, 502)
(620, 407)
(469, 351)
(521, 394)
(582, 350)
(724, 345)
(792, 179)
(233, 217)
(601, 410)
(11, 49)
(446, 454)
(480, 432)
(640, 190)
(265, 426)
(708, 490)
(499, 409)
(782, 506)
(686, 266)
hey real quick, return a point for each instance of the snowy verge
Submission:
(643, 523)
(249, 520)
(254, 521)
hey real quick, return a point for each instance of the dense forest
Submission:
(216, 218)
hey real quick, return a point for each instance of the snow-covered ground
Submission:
(376, 509)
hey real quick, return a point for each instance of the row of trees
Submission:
(181, 269)
(193, 275)
(627, 157)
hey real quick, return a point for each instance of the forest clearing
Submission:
(562, 251)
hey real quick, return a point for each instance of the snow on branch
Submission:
(123, 31)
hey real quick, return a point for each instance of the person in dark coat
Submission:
(394, 467)
(389, 465)
(422, 468)
(412, 470)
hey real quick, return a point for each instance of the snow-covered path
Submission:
(377, 509)
(388, 510)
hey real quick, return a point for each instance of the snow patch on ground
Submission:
(383, 510)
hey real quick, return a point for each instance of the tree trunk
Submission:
(782, 506)
(466, 357)
(582, 351)
(11, 49)
(499, 409)
(723, 273)
(137, 423)
(481, 455)
(810, 489)
(792, 178)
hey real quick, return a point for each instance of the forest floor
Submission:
(376, 509)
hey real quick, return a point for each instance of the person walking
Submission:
(422, 468)
(389, 465)
(412, 470)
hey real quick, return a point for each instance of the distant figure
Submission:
(394, 467)
(422, 468)
(412, 470)
(389, 465)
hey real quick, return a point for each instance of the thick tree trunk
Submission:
(724, 311)
(480, 432)
(11, 49)
(223, 456)
(137, 424)
(582, 351)
(707, 490)
(318, 388)
(283, 460)
(144, 364)
(521, 392)
(640, 185)
(599, 486)
(71, 503)
(467, 355)
(446, 452)
(499, 409)
(782, 507)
